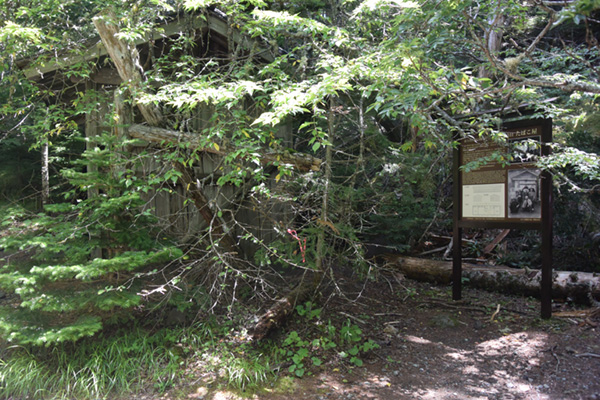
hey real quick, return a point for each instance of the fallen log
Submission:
(301, 162)
(581, 287)
(281, 309)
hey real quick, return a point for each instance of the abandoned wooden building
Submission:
(215, 38)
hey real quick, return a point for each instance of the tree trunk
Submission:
(217, 227)
(577, 286)
(301, 162)
(493, 38)
(284, 306)
(127, 60)
(45, 172)
(319, 265)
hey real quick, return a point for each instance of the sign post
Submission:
(497, 186)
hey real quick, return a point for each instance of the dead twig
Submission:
(449, 248)
(433, 251)
(457, 305)
(380, 356)
(588, 355)
(551, 351)
(388, 314)
(495, 313)
(353, 317)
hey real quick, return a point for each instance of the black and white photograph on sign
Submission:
(524, 193)
(525, 150)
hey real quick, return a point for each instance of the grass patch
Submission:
(134, 361)
(233, 361)
(286, 385)
(126, 362)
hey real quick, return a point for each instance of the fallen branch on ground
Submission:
(588, 355)
(281, 309)
(575, 286)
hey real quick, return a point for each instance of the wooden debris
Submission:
(588, 315)
(281, 309)
(490, 247)
(576, 286)
(573, 314)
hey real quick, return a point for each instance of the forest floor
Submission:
(486, 346)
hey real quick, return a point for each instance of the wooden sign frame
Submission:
(507, 192)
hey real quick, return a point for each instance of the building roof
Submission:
(213, 22)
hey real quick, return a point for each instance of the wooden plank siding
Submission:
(180, 218)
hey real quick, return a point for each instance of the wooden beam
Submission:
(104, 76)
(301, 162)
(490, 247)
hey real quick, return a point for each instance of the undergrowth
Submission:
(306, 350)
(129, 362)
(98, 368)
(135, 360)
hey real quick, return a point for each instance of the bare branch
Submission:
(301, 162)
(566, 86)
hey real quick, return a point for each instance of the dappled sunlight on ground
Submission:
(491, 368)
(451, 352)
(444, 394)
(434, 370)
(523, 344)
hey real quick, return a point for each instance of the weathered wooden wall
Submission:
(241, 212)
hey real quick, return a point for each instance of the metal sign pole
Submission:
(546, 283)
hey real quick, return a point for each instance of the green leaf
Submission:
(356, 361)
(194, 5)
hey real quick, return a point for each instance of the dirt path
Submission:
(432, 348)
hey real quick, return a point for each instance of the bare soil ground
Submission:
(487, 346)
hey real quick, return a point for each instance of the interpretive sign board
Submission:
(507, 186)
(497, 185)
